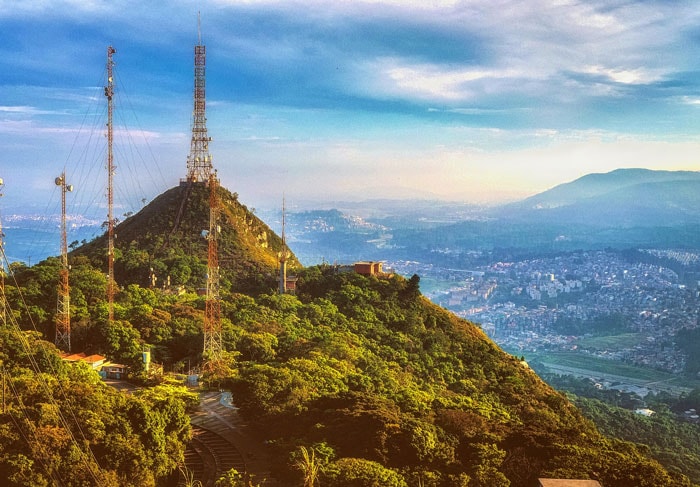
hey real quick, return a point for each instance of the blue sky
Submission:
(477, 101)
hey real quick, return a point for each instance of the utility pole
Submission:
(283, 256)
(63, 311)
(109, 93)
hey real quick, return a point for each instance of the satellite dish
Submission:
(59, 181)
(69, 187)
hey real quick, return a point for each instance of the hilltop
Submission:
(167, 238)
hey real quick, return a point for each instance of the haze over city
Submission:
(476, 101)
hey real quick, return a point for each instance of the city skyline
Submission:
(470, 101)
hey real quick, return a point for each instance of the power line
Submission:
(29, 352)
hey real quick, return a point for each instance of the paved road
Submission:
(222, 440)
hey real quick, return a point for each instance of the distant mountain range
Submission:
(625, 208)
(623, 198)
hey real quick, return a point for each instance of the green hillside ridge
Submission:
(367, 368)
(359, 379)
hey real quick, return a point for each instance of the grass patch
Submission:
(595, 364)
(612, 342)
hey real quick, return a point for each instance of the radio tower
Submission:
(199, 166)
(199, 170)
(109, 93)
(212, 319)
(63, 311)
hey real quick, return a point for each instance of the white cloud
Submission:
(28, 110)
(624, 76)
(427, 81)
(691, 100)
(28, 129)
(509, 63)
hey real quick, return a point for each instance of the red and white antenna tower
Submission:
(63, 311)
(109, 93)
(213, 344)
(200, 170)
(199, 165)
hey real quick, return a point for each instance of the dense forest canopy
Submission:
(61, 425)
(368, 375)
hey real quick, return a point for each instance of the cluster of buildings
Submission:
(549, 287)
(522, 304)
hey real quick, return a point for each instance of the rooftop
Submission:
(568, 483)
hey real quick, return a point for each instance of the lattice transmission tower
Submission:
(213, 343)
(200, 170)
(63, 308)
(109, 93)
(199, 162)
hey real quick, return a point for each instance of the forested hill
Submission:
(379, 383)
(354, 380)
(167, 237)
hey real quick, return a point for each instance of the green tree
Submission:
(487, 473)
(123, 344)
(358, 472)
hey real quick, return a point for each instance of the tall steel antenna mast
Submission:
(199, 169)
(109, 93)
(213, 343)
(63, 311)
(199, 162)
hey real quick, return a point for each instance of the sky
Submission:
(480, 101)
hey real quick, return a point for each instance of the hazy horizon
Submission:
(331, 101)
